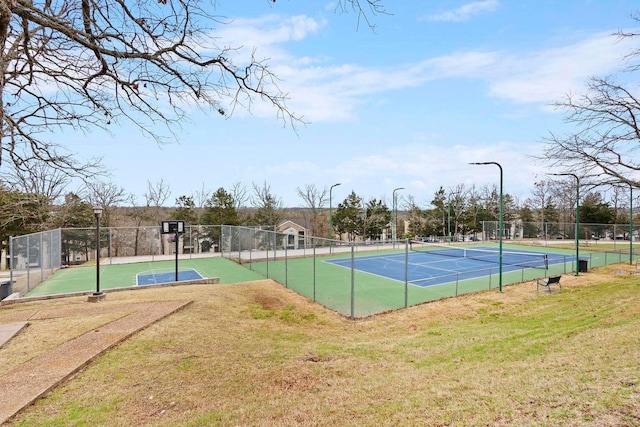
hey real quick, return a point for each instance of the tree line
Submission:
(454, 211)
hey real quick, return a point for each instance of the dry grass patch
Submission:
(259, 354)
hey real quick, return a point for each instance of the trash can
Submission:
(583, 265)
(5, 289)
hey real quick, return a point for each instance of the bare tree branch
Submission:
(91, 64)
(37, 178)
(603, 148)
(364, 9)
(605, 144)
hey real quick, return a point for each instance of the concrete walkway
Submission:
(9, 330)
(25, 383)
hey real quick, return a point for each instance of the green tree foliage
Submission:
(416, 218)
(77, 218)
(348, 218)
(185, 210)
(594, 210)
(268, 207)
(530, 228)
(377, 219)
(20, 213)
(440, 210)
(75, 213)
(220, 209)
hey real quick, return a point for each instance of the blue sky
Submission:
(438, 84)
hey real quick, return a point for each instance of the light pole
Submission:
(330, 215)
(97, 212)
(449, 221)
(577, 217)
(395, 216)
(500, 220)
(631, 225)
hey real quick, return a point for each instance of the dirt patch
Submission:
(268, 302)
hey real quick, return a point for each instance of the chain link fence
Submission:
(304, 268)
(548, 232)
(34, 257)
(302, 263)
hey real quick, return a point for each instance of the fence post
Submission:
(237, 232)
(11, 266)
(251, 240)
(352, 280)
(40, 258)
(406, 273)
(27, 264)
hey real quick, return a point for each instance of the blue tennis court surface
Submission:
(166, 277)
(427, 268)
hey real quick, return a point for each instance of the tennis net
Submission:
(521, 259)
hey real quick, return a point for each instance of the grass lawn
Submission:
(259, 354)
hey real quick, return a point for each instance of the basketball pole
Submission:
(176, 228)
(176, 250)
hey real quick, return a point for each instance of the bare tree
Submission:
(157, 193)
(200, 198)
(315, 199)
(541, 197)
(90, 64)
(603, 149)
(93, 63)
(105, 196)
(240, 195)
(37, 178)
(621, 201)
(564, 196)
(604, 146)
(154, 198)
(458, 201)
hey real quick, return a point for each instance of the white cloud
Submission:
(268, 30)
(421, 168)
(465, 12)
(546, 75)
(323, 91)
